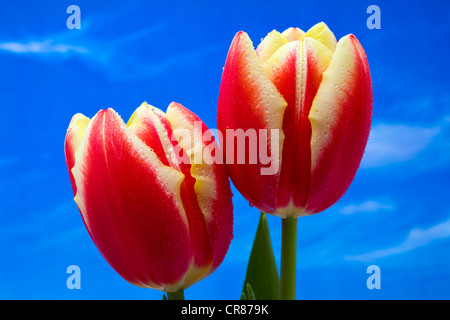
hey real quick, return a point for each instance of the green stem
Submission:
(288, 258)
(177, 295)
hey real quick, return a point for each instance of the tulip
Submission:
(317, 93)
(160, 220)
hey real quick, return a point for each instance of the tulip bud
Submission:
(160, 220)
(318, 93)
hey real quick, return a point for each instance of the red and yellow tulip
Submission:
(318, 93)
(160, 220)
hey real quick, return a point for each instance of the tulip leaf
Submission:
(261, 280)
(248, 293)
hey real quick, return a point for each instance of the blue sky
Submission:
(395, 215)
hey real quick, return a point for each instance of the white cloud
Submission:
(114, 57)
(416, 238)
(41, 47)
(368, 206)
(390, 144)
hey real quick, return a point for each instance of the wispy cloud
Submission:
(41, 47)
(390, 144)
(415, 239)
(368, 206)
(127, 67)
(128, 56)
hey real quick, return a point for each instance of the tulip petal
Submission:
(152, 127)
(250, 102)
(74, 135)
(340, 118)
(293, 34)
(116, 174)
(321, 32)
(212, 187)
(296, 69)
(271, 43)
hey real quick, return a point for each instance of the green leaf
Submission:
(250, 293)
(262, 274)
(164, 297)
